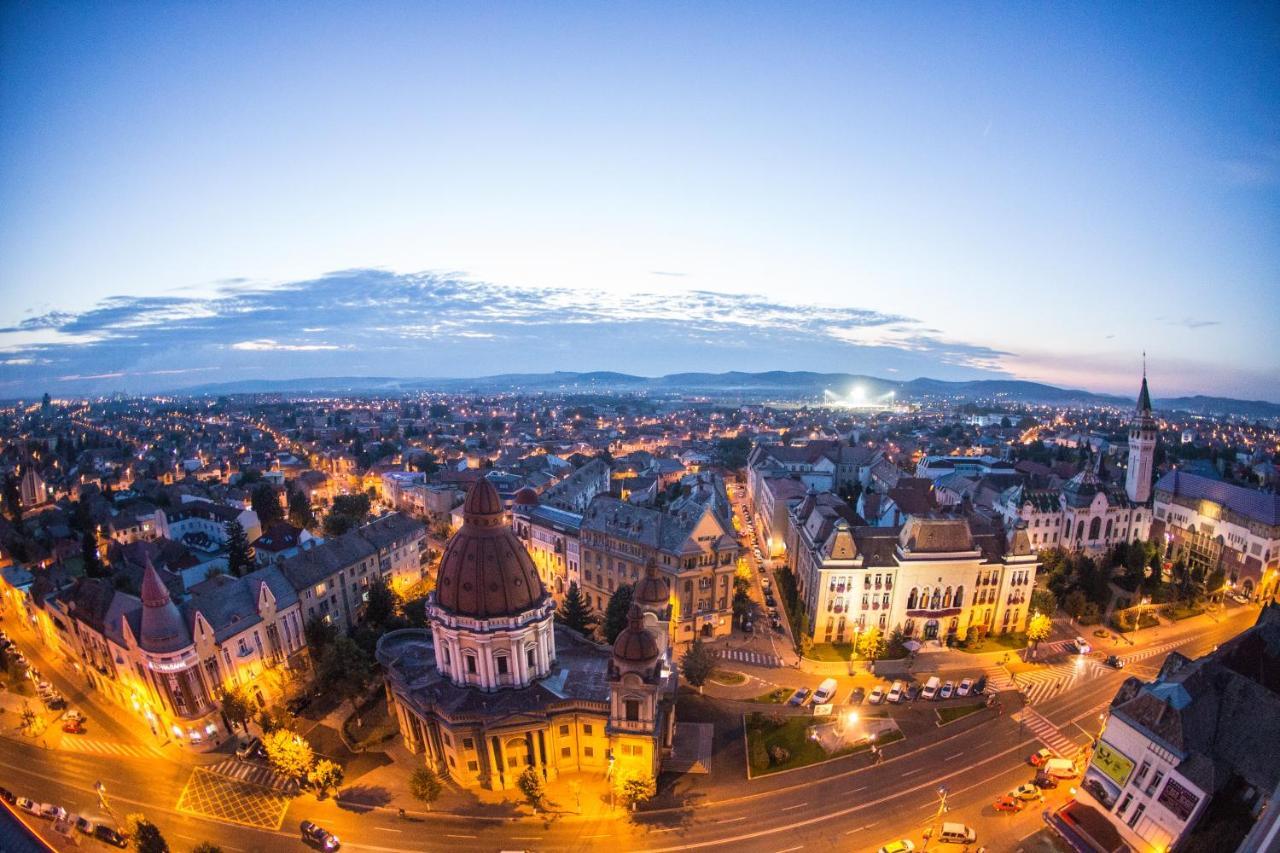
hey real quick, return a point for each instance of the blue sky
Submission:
(196, 191)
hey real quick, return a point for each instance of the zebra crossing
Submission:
(103, 747)
(1047, 732)
(753, 658)
(998, 680)
(1042, 685)
(254, 774)
(1164, 648)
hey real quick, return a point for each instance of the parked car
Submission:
(903, 846)
(770, 600)
(797, 698)
(109, 835)
(1026, 792)
(1039, 757)
(895, 692)
(51, 811)
(7, 796)
(1082, 646)
(251, 749)
(1061, 768)
(913, 692)
(1044, 780)
(1115, 662)
(1007, 804)
(776, 624)
(73, 714)
(318, 837)
(825, 691)
(931, 688)
(73, 727)
(83, 825)
(858, 694)
(980, 686)
(877, 695)
(966, 685)
(947, 689)
(29, 806)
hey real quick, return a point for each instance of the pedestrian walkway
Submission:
(998, 680)
(1048, 733)
(254, 774)
(1163, 648)
(1043, 684)
(75, 743)
(748, 656)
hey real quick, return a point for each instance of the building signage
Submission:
(1178, 799)
(1111, 762)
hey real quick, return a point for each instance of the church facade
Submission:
(495, 686)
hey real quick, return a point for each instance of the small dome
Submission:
(526, 497)
(652, 590)
(485, 571)
(162, 629)
(635, 644)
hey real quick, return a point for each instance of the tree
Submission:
(236, 707)
(697, 663)
(1038, 629)
(871, 644)
(239, 560)
(530, 785)
(575, 611)
(144, 834)
(634, 787)
(319, 635)
(13, 498)
(206, 847)
(266, 504)
(615, 613)
(289, 753)
(89, 555)
(1044, 601)
(380, 609)
(743, 606)
(325, 777)
(1075, 603)
(300, 514)
(345, 671)
(348, 511)
(425, 785)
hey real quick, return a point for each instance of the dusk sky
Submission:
(199, 192)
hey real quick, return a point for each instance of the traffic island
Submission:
(777, 743)
(955, 712)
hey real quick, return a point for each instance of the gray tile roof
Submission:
(1261, 507)
(319, 562)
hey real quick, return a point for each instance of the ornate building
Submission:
(496, 686)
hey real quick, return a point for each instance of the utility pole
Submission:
(936, 826)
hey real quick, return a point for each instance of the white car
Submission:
(877, 695)
(947, 690)
(895, 692)
(1082, 646)
(27, 805)
(966, 684)
(49, 811)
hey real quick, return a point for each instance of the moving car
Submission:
(1007, 804)
(797, 698)
(877, 695)
(903, 846)
(895, 692)
(250, 749)
(1026, 792)
(966, 685)
(1082, 646)
(318, 837)
(825, 691)
(931, 688)
(1039, 757)
(858, 694)
(947, 690)
(1115, 662)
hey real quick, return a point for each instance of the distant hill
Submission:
(795, 385)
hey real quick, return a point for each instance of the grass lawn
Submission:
(776, 697)
(995, 643)
(954, 712)
(765, 731)
(726, 677)
(1183, 612)
(831, 652)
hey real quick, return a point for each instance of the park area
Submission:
(777, 742)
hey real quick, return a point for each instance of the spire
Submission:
(1144, 396)
(154, 592)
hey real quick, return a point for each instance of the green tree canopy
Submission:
(266, 504)
(697, 663)
(239, 559)
(425, 785)
(289, 753)
(575, 612)
(615, 613)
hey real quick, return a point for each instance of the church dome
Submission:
(652, 591)
(635, 644)
(162, 628)
(526, 497)
(485, 571)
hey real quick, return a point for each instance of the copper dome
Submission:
(635, 644)
(526, 497)
(486, 572)
(652, 590)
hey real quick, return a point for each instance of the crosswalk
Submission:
(254, 774)
(1043, 684)
(1048, 733)
(998, 680)
(748, 656)
(103, 747)
(1164, 648)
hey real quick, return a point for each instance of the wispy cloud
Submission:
(438, 324)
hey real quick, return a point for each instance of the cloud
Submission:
(1194, 323)
(445, 324)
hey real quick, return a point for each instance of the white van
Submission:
(1060, 768)
(825, 691)
(954, 833)
(931, 688)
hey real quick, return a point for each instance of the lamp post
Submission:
(936, 825)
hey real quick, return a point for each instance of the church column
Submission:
(499, 760)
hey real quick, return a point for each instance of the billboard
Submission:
(1178, 799)
(1112, 763)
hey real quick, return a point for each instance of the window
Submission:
(632, 710)
(588, 751)
(586, 729)
(512, 760)
(564, 731)
(452, 763)
(1155, 782)
(502, 664)
(565, 752)
(1137, 813)
(473, 766)
(468, 743)
(448, 741)
(529, 657)
(471, 664)
(1124, 805)
(1142, 771)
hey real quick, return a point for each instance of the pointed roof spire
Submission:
(154, 592)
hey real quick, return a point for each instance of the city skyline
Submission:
(993, 194)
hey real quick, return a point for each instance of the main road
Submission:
(844, 805)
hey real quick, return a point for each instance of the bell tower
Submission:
(1142, 445)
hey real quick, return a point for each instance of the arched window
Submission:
(909, 627)
(1095, 527)
(1080, 530)
(911, 600)
(946, 598)
(959, 599)
(955, 625)
(936, 602)
(1108, 529)
(924, 598)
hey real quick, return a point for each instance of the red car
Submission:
(1007, 804)
(73, 727)
(1040, 757)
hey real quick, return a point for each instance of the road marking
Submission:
(789, 849)
(732, 819)
(447, 835)
(604, 835)
(917, 770)
(387, 829)
(796, 806)
(957, 755)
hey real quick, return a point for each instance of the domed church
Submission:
(496, 685)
